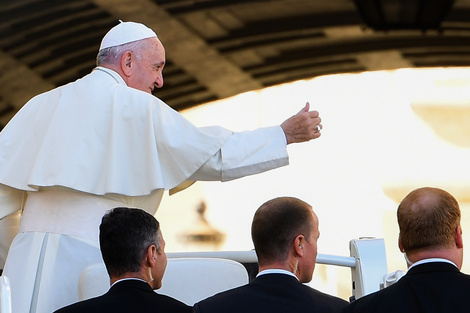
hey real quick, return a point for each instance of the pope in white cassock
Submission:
(103, 141)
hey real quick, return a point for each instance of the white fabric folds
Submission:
(76, 151)
(74, 139)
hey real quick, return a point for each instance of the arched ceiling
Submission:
(215, 48)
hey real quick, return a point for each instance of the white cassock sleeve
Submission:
(246, 153)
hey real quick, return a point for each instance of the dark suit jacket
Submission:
(271, 293)
(430, 287)
(128, 296)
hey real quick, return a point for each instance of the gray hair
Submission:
(112, 55)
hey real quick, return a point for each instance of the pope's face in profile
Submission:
(148, 64)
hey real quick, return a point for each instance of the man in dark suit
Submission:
(431, 240)
(284, 233)
(133, 251)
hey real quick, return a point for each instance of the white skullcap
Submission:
(126, 32)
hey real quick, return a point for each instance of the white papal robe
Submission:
(73, 153)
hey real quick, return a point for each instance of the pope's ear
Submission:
(126, 63)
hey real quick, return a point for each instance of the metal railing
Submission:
(367, 262)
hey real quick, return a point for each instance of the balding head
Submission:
(428, 219)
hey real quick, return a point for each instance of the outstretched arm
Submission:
(303, 126)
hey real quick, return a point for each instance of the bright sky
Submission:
(373, 145)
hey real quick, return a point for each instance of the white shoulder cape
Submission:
(99, 136)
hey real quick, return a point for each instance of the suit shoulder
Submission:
(170, 301)
(329, 302)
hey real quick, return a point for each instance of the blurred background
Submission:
(390, 79)
(385, 133)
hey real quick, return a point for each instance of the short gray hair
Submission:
(112, 55)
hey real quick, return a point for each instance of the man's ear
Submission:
(151, 255)
(126, 62)
(299, 245)
(458, 237)
(400, 246)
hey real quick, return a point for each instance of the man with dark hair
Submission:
(431, 240)
(133, 251)
(285, 233)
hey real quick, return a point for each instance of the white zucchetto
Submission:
(126, 32)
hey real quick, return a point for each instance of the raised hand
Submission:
(303, 126)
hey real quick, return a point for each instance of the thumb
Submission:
(306, 108)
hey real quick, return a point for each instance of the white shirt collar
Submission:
(276, 271)
(112, 73)
(431, 260)
(131, 278)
